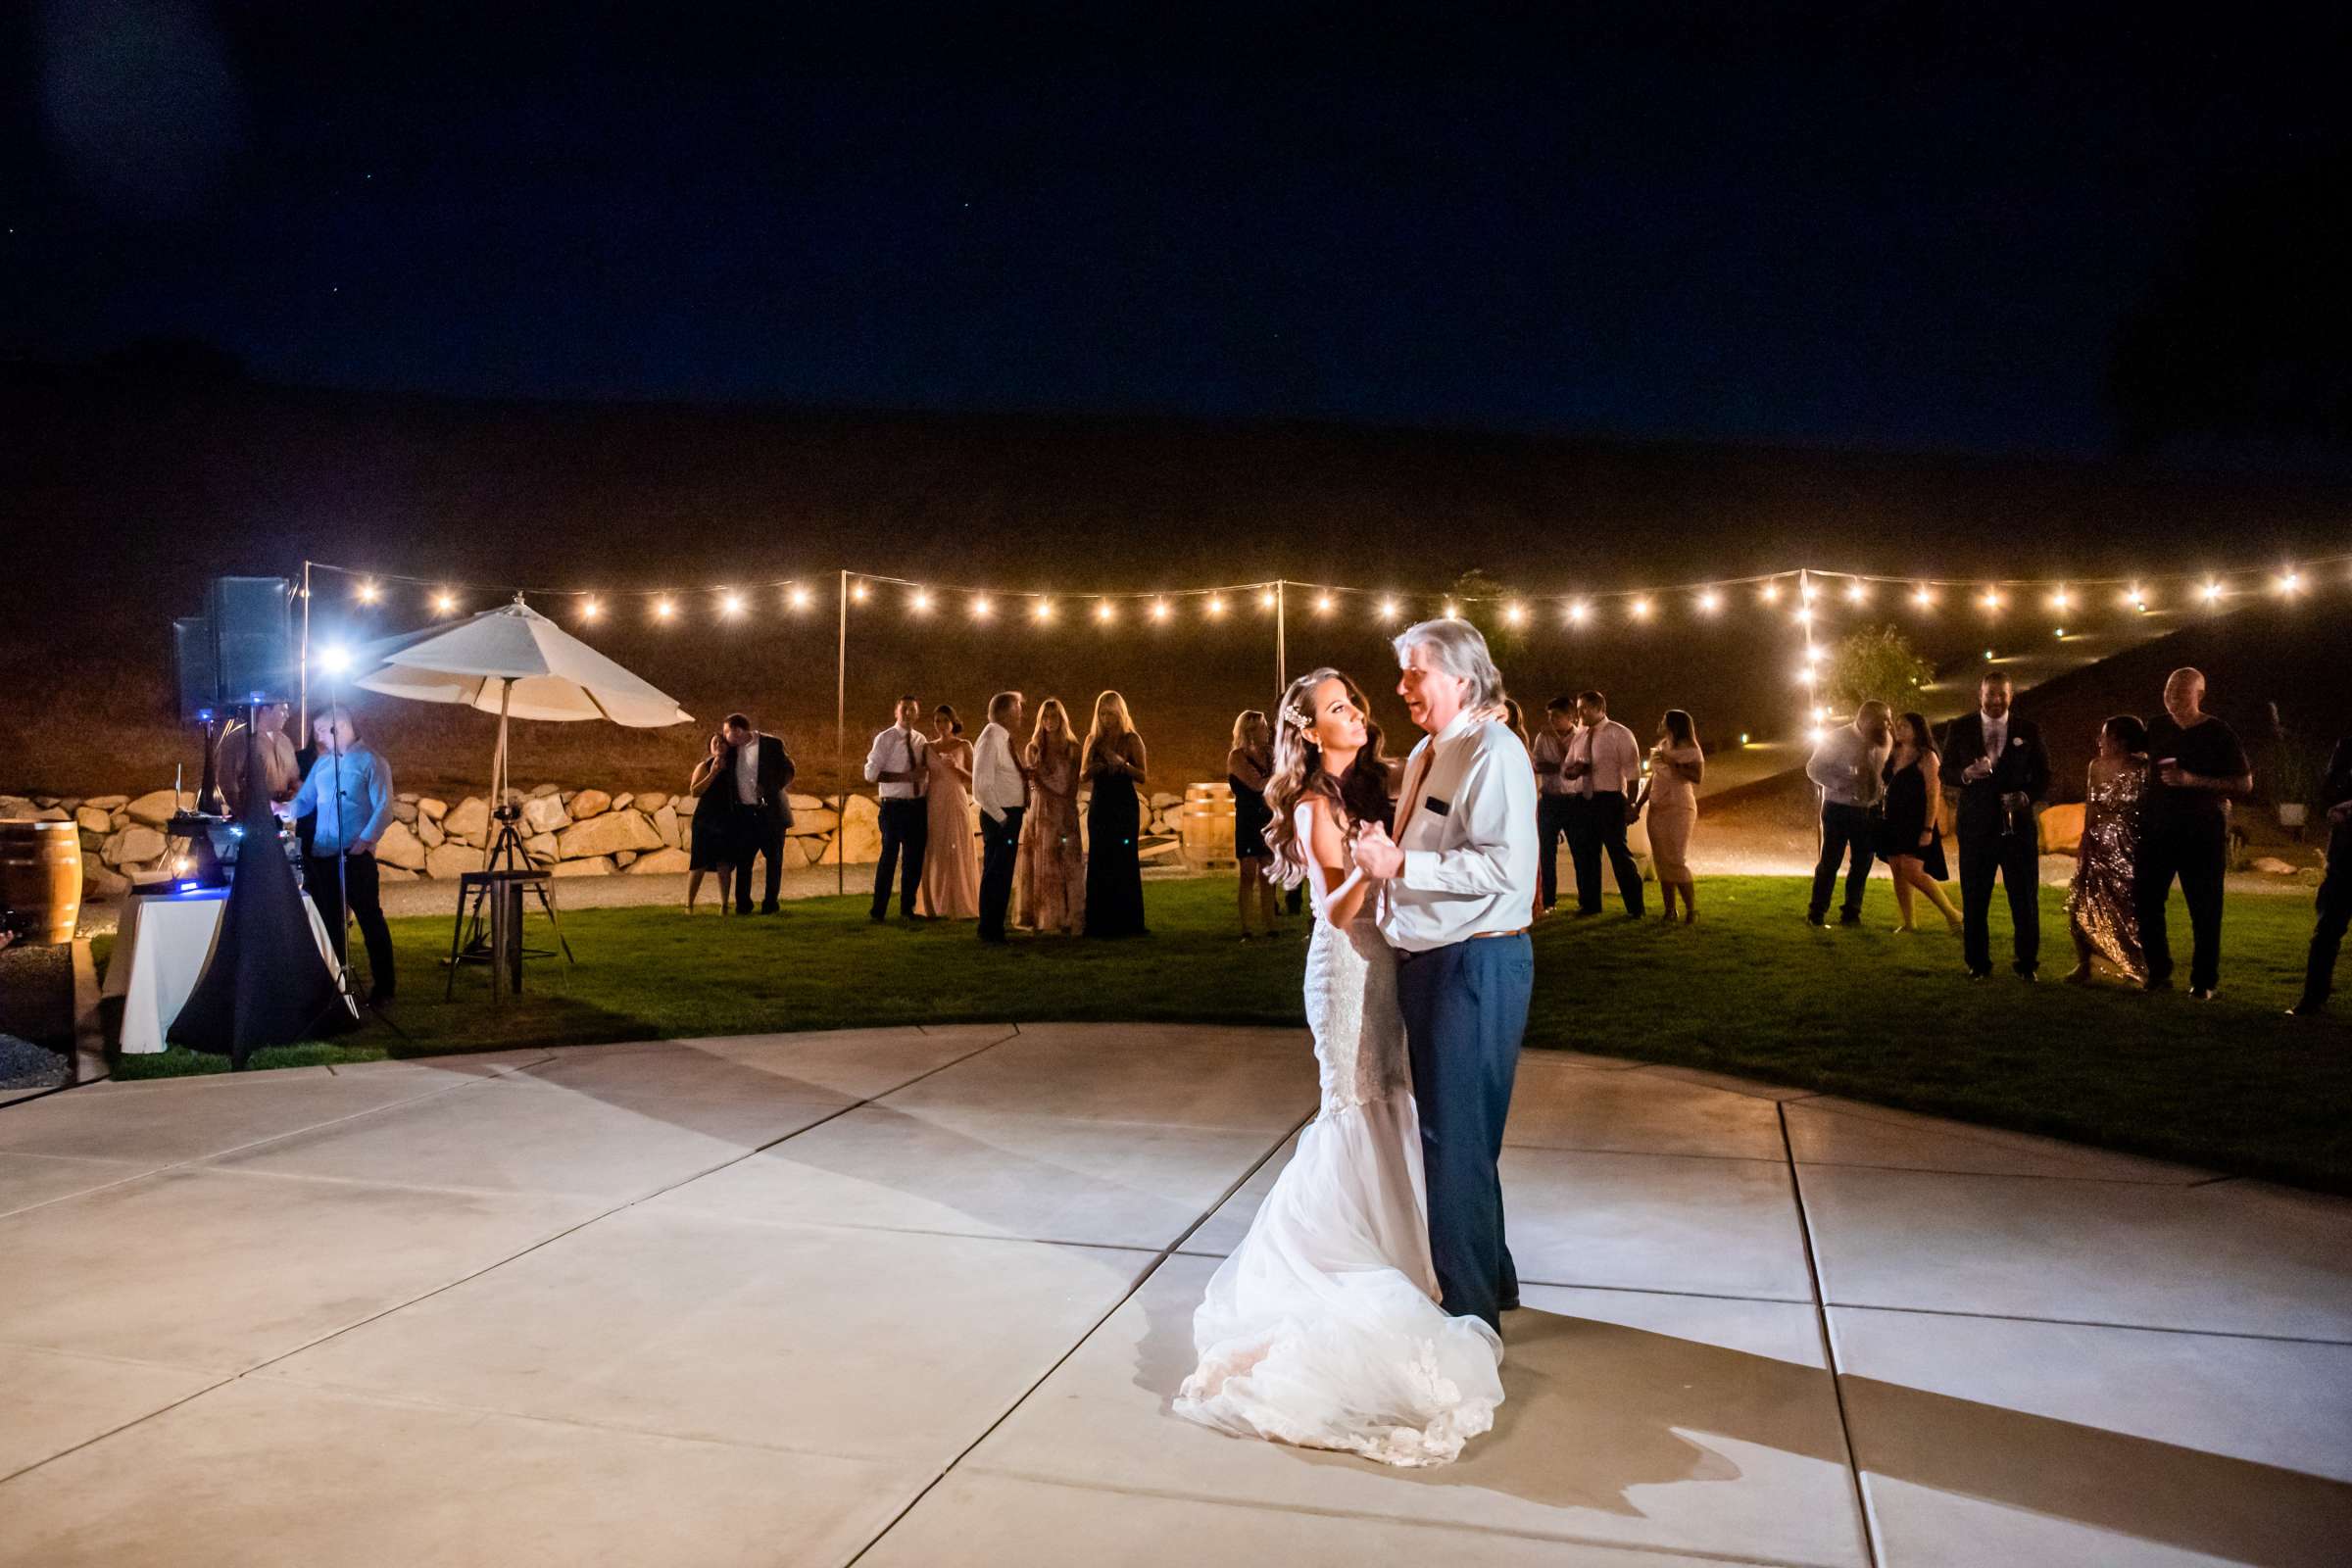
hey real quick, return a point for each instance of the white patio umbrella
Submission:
(515, 663)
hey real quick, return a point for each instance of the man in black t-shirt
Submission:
(2184, 830)
(2335, 891)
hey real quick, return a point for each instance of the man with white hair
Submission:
(1461, 882)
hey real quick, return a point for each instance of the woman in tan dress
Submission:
(951, 889)
(1675, 765)
(1049, 875)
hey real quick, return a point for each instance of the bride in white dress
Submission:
(1323, 1328)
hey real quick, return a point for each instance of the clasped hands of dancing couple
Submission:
(1363, 1311)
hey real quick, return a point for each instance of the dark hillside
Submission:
(120, 499)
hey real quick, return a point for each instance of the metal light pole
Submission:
(841, 741)
(1282, 656)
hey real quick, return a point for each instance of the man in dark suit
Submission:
(2003, 775)
(757, 772)
(2336, 890)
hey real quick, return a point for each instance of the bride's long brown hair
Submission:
(1298, 771)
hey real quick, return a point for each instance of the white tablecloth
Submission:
(160, 946)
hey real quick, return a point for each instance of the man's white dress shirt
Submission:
(1616, 758)
(1550, 749)
(747, 771)
(1467, 827)
(995, 780)
(898, 750)
(1997, 736)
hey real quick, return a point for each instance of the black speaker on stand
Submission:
(198, 667)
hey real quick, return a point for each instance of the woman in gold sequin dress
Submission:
(2100, 910)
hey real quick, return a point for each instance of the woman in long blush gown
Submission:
(1323, 1327)
(951, 889)
(1050, 872)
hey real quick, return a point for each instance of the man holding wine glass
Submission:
(2003, 771)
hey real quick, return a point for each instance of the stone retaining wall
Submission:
(584, 832)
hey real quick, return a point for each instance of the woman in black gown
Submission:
(1907, 837)
(1114, 869)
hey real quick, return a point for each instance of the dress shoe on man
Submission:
(2157, 981)
(772, 907)
(1818, 918)
(2025, 974)
(1980, 974)
(2200, 993)
(1850, 917)
(2309, 1008)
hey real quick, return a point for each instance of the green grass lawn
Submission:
(1751, 990)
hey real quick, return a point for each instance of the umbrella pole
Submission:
(498, 774)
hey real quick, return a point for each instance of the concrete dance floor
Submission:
(909, 1298)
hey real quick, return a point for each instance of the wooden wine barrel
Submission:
(1207, 824)
(40, 877)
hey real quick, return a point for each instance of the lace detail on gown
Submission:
(1323, 1327)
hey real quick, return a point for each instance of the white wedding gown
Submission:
(1323, 1328)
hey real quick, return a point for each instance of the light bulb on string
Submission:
(858, 593)
(1578, 613)
(797, 597)
(1104, 612)
(1991, 599)
(1160, 610)
(1449, 612)
(1710, 602)
(2212, 592)
(365, 593)
(1388, 610)
(664, 609)
(920, 601)
(980, 607)
(2290, 581)
(1804, 617)
(1216, 604)
(730, 605)
(2136, 597)
(444, 601)
(1804, 593)
(1639, 609)
(1265, 599)
(1042, 609)
(2060, 599)
(590, 609)
(1323, 603)
(1770, 593)
(1515, 614)
(1923, 596)
(1856, 591)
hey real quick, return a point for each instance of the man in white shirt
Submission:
(1000, 786)
(1460, 877)
(1605, 763)
(1848, 766)
(897, 764)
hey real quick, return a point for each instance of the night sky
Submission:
(1888, 225)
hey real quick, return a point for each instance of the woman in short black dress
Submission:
(712, 843)
(1908, 839)
(1247, 766)
(1114, 763)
